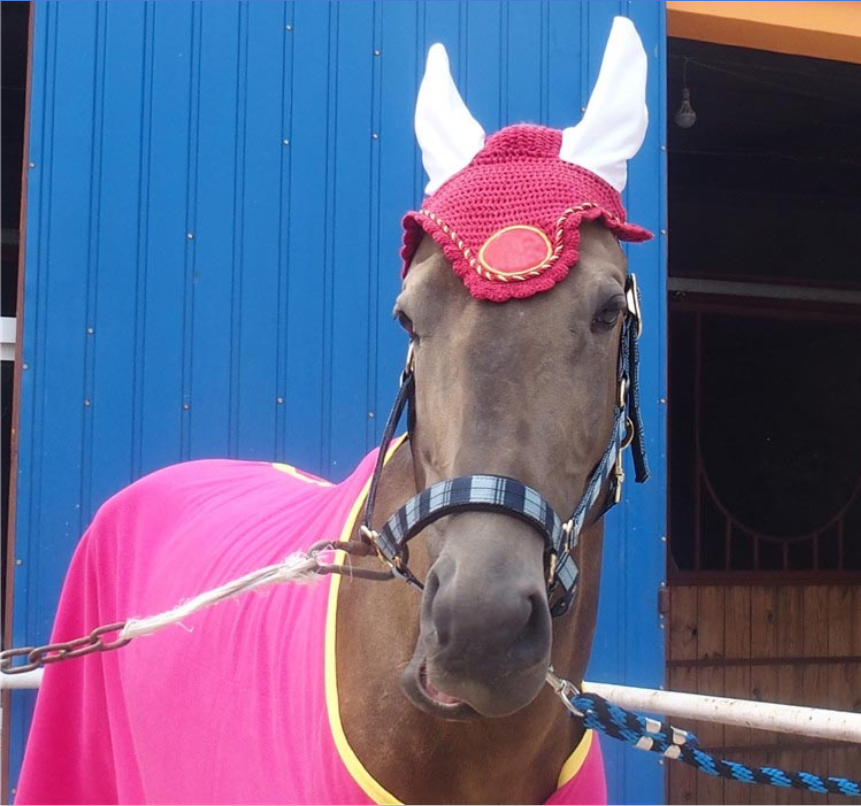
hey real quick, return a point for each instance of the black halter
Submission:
(489, 493)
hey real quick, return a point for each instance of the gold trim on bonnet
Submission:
(490, 274)
(366, 782)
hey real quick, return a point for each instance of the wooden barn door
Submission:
(787, 643)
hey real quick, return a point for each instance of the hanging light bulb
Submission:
(685, 116)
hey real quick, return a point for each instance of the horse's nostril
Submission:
(443, 637)
(463, 630)
(533, 622)
(528, 631)
(431, 586)
(432, 611)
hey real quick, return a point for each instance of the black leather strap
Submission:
(638, 446)
(405, 394)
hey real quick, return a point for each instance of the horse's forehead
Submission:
(430, 280)
(510, 222)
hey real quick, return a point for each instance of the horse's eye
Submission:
(406, 323)
(608, 315)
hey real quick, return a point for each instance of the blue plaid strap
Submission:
(486, 493)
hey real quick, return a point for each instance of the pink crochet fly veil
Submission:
(506, 209)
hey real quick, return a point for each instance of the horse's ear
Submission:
(449, 136)
(614, 124)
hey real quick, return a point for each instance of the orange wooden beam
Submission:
(825, 30)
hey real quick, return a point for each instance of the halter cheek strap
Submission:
(491, 493)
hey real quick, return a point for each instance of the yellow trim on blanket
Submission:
(298, 474)
(369, 785)
(575, 761)
(375, 791)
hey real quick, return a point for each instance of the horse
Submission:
(518, 378)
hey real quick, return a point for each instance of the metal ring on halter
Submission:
(624, 388)
(629, 434)
(374, 537)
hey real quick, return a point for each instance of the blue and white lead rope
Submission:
(655, 736)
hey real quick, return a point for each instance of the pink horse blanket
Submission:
(241, 706)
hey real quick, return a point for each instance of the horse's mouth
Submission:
(424, 695)
(439, 697)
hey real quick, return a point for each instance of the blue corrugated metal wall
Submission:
(211, 257)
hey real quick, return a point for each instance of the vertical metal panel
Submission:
(217, 196)
(629, 641)
(255, 407)
(110, 275)
(161, 270)
(310, 148)
(353, 187)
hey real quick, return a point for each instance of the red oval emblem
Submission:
(514, 253)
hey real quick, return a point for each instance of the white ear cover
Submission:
(615, 121)
(448, 135)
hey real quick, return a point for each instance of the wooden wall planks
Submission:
(683, 645)
(711, 624)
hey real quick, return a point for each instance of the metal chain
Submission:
(40, 656)
(61, 650)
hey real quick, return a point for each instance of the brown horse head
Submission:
(524, 390)
(514, 297)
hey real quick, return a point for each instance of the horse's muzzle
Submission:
(485, 636)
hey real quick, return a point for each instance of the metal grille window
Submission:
(765, 444)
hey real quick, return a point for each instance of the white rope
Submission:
(297, 567)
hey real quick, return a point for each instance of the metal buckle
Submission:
(374, 536)
(564, 689)
(551, 568)
(568, 530)
(619, 475)
(370, 535)
(395, 565)
(410, 363)
(632, 298)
